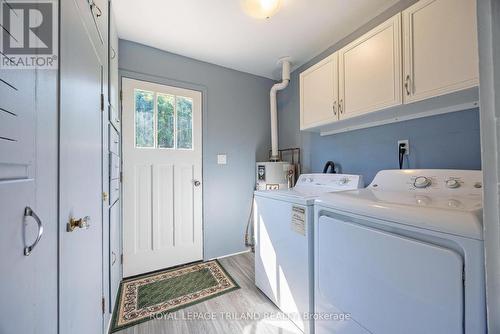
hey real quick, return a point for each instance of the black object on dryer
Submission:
(331, 165)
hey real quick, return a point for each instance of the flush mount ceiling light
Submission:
(261, 9)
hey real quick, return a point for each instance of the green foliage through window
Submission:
(144, 118)
(172, 124)
(184, 122)
(166, 121)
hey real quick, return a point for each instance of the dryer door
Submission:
(386, 282)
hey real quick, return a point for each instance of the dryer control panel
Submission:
(459, 182)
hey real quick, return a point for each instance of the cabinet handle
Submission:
(333, 107)
(28, 212)
(341, 106)
(114, 258)
(407, 85)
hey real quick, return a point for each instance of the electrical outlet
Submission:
(406, 143)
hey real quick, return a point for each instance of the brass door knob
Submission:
(83, 223)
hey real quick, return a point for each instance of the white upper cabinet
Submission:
(319, 93)
(370, 70)
(440, 48)
(427, 51)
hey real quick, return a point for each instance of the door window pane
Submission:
(144, 118)
(165, 105)
(184, 110)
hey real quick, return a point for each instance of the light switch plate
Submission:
(221, 159)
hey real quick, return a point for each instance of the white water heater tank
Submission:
(274, 175)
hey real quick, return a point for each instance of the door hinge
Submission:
(102, 102)
(103, 304)
(463, 276)
(121, 95)
(121, 259)
(121, 177)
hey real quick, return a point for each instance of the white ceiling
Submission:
(219, 32)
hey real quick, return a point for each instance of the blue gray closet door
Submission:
(28, 179)
(81, 251)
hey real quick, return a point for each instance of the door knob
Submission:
(83, 223)
(196, 183)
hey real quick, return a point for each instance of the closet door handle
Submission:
(93, 5)
(333, 107)
(28, 212)
(407, 85)
(114, 258)
(341, 106)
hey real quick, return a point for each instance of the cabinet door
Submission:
(319, 93)
(440, 48)
(370, 70)
(114, 252)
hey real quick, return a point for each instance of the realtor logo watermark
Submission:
(29, 34)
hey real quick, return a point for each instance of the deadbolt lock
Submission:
(83, 223)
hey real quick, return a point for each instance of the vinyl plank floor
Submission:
(232, 312)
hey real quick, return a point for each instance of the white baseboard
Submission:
(233, 254)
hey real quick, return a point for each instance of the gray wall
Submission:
(444, 141)
(235, 122)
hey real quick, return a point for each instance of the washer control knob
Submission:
(452, 184)
(344, 180)
(422, 182)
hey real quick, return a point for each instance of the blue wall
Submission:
(235, 121)
(444, 141)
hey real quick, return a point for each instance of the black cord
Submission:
(331, 165)
(402, 151)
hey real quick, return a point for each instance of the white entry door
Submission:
(162, 163)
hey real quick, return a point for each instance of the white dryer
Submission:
(283, 221)
(404, 255)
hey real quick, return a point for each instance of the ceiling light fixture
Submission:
(261, 9)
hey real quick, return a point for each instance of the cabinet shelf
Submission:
(457, 101)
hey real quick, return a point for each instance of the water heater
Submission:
(271, 175)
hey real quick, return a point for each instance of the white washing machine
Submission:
(283, 221)
(404, 255)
